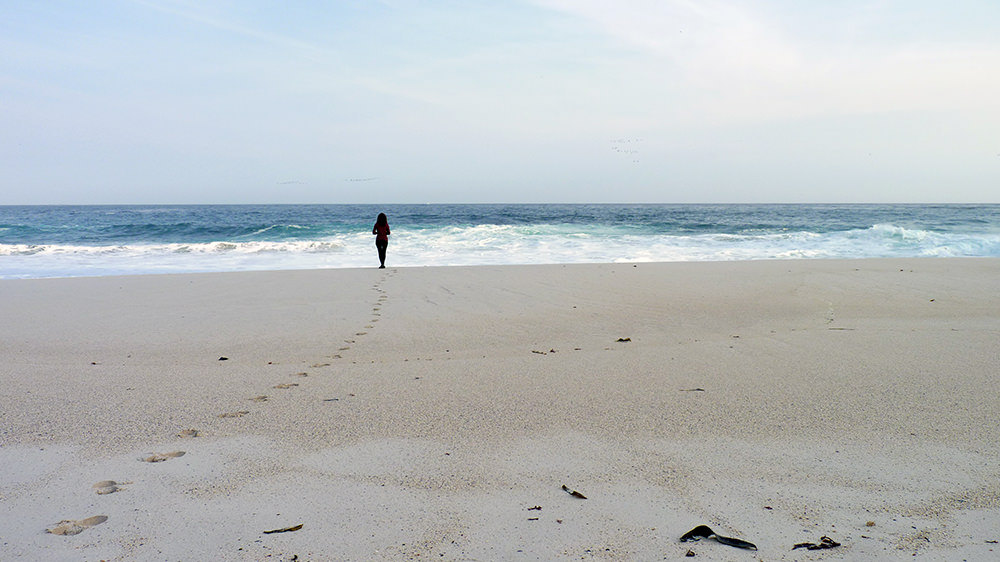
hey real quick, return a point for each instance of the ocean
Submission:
(72, 241)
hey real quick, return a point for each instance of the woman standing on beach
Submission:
(381, 232)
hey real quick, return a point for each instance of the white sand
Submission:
(440, 404)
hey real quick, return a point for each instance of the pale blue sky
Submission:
(411, 101)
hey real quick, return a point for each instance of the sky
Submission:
(474, 101)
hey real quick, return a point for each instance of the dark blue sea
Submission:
(69, 241)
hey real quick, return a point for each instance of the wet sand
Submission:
(437, 413)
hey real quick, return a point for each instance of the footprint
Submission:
(160, 457)
(239, 414)
(188, 433)
(108, 487)
(319, 365)
(71, 527)
(300, 375)
(261, 398)
(285, 385)
(361, 334)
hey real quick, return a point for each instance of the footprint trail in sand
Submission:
(376, 313)
(68, 527)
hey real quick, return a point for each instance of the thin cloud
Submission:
(733, 61)
(190, 12)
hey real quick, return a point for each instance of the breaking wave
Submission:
(62, 242)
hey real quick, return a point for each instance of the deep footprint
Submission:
(75, 527)
(239, 414)
(108, 487)
(160, 457)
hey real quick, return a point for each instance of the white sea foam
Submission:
(488, 244)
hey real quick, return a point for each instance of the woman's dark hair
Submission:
(382, 219)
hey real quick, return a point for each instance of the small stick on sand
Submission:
(285, 530)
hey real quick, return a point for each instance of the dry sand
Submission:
(436, 413)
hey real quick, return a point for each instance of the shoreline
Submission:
(492, 265)
(421, 411)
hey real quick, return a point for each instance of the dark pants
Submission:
(381, 245)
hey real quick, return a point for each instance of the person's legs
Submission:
(381, 252)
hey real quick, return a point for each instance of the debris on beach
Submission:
(286, 385)
(223, 358)
(188, 433)
(573, 493)
(536, 508)
(284, 530)
(71, 527)
(623, 340)
(824, 543)
(704, 532)
(692, 390)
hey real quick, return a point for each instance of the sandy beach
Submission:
(438, 413)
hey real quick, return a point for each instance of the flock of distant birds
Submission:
(627, 146)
